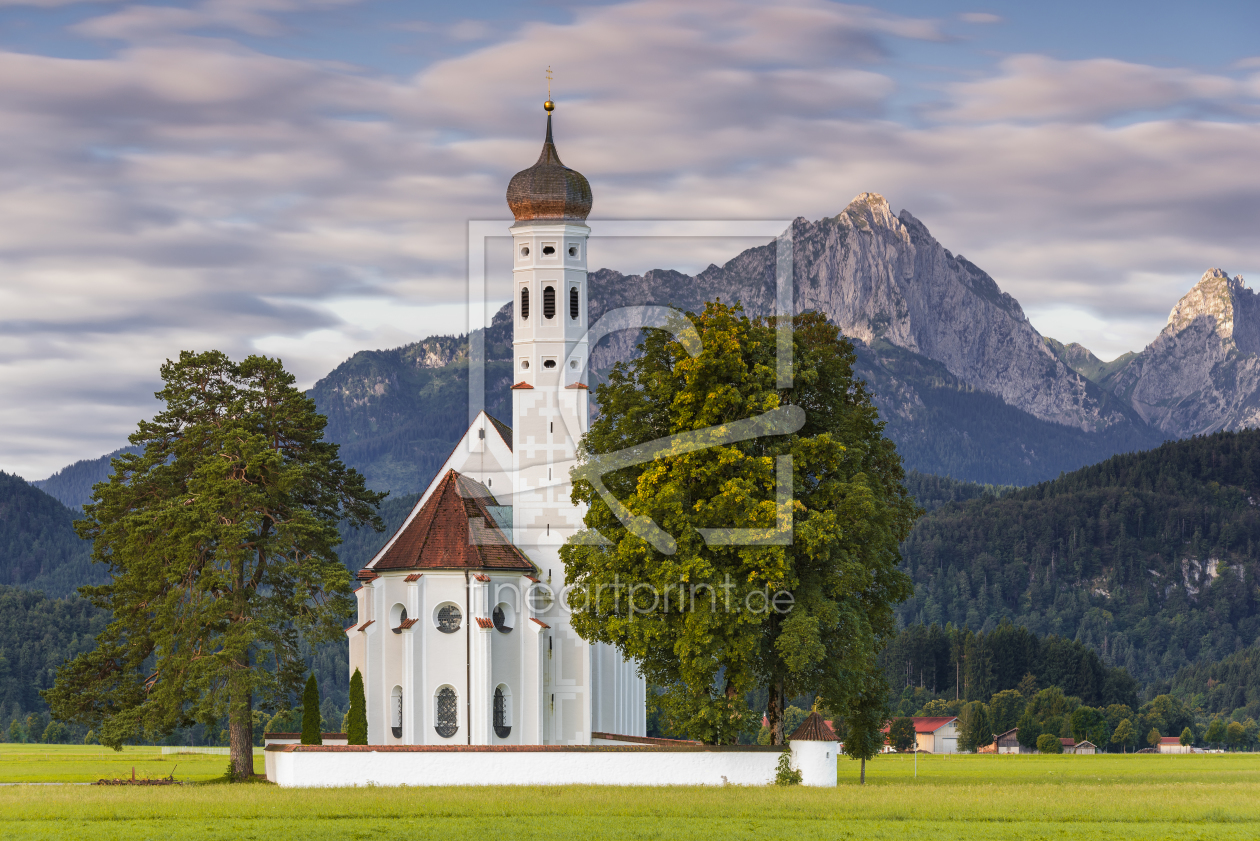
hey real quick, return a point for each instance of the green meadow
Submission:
(973, 797)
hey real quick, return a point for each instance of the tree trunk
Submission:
(862, 778)
(241, 722)
(774, 712)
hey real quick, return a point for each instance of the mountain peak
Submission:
(1215, 296)
(868, 210)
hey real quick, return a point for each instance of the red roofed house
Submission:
(935, 734)
(1172, 744)
(459, 634)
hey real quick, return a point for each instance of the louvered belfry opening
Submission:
(549, 302)
(447, 712)
(573, 303)
(525, 303)
(501, 728)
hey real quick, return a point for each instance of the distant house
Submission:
(1172, 744)
(1084, 748)
(1008, 742)
(935, 734)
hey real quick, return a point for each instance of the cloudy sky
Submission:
(297, 176)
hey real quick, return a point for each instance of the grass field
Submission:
(985, 797)
(89, 763)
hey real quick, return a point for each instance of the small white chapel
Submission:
(461, 638)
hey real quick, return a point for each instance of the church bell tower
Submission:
(587, 688)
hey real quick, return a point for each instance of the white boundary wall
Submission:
(648, 766)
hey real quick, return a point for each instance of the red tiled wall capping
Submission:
(407, 623)
(482, 578)
(578, 385)
(522, 748)
(299, 735)
(366, 575)
(415, 576)
(544, 624)
(485, 623)
(522, 384)
(363, 627)
(644, 740)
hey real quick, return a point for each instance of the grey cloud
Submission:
(1039, 88)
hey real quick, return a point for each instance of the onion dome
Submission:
(549, 189)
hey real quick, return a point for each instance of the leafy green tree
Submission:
(16, 734)
(1029, 731)
(221, 537)
(55, 733)
(839, 576)
(311, 732)
(1168, 714)
(1153, 737)
(864, 721)
(901, 734)
(1123, 735)
(973, 726)
(1049, 743)
(1216, 732)
(356, 717)
(1235, 734)
(1005, 710)
(1187, 737)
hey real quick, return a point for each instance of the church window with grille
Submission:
(549, 302)
(502, 715)
(449, 618)
(447, 717)
(525, 303)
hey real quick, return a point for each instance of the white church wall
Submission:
(447, 663)
(534, 765)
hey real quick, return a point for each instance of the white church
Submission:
(460, 636)
(472, 672)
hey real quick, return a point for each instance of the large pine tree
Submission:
(220, 536)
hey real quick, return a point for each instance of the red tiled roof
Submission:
(454, 530)
(363, 627)
(522, 384)
(487, 624)
(927, 724)
(1067, 743)
(544, 624)
(366, 575)
(579, 385)
(415, 576)
(813, 729)
(1170, 740)
(407, 623)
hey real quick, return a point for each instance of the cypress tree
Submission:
(356, 727)
(311, 734)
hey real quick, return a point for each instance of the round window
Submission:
(524, 364)
(572, 250)
(504, 617)
(448, 618)
(524, 250)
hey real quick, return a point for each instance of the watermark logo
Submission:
(781, 421)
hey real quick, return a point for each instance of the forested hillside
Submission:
(1148, 558)
(72, 485)
(958, 663)
(1229, 687)
(39, 549)
(36, 635)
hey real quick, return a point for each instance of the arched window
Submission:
(447, 717)
(397, 616)
(573, 302)
(448, 618)
(502, 712)
(525, 302)
(549, 302)
(504, 617)
(395, 705)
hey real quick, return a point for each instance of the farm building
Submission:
(1172, 744)
(935, 734)
(1009, 743)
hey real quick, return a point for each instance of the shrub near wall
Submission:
(1049, 743)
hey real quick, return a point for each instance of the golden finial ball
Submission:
(549, 106)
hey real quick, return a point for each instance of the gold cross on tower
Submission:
(549, 106)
